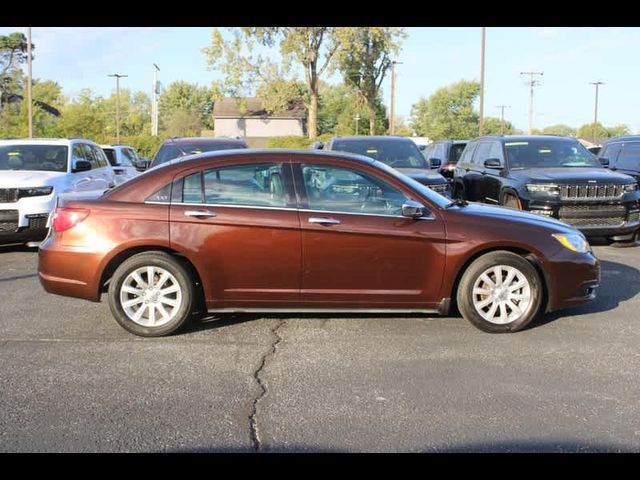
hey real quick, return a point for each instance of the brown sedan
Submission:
(307, 231)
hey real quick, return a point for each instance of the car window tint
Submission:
(33, 157)
(482, 153)
(111, 156)
(440, 152)
(192, 188)
(128, 157)
(99, 155)
(467, 153)
(250, 185)
(339, 189)
(495, 151)
(611, 152)
(629, 158)
(162, 195)
(90, 156)
(456, 151)
(78, 153)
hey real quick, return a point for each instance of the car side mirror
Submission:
(435, 162)
(412, 209)
(316, 146)
(604, 161)
(142, 164)
(493, 164)
(422, 148)
(81, 166)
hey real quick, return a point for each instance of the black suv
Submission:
(622, 154)
(400, 153)
(551, 176)
(180, 146)
(447, 152)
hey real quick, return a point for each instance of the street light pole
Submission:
(595, 111)
(118, 77)
(532, 83)
(482, 81)
(29, 85)
(392, 119)
(154, 103)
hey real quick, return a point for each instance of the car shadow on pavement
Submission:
(618, 283)
(17, 248)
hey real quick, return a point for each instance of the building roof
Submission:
(229, 108)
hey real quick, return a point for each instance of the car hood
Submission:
(569, 175)
(510, 215)
(423, 176)
(28, 178)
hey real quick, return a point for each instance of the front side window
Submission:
(111, 156)
(50, 158)
(467, 153)
(611, 152)
(128, 157)
(629, 159)
(101, 158)
(456, 151)
(340, 189)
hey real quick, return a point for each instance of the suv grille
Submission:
(591, 192)
(593, 215)
(8, 221)
(8, 195)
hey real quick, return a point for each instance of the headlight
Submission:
(34, 192)
(632, 187)
(543, 188)
(573, 241)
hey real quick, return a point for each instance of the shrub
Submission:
(290, 141)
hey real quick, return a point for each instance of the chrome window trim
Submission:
(289, 209)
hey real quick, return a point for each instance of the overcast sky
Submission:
(81, 57)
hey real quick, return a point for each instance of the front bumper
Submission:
(26, 220)
(572, 278)
(593, 219)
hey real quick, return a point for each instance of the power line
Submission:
(532, 83)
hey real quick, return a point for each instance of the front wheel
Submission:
(500, 292)
(151, 294)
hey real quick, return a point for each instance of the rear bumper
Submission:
(69, 271)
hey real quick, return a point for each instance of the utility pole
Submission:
(595, 111)
(392, 118)
(118, 77)
(154, 102)
(532, 83)
(482, 81)
(29, 81)
(502, 107)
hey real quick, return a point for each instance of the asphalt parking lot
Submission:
(73, 381)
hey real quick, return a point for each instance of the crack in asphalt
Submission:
(253, 418)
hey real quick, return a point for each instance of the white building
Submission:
(248, 119)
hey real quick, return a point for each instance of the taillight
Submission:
(66, 218)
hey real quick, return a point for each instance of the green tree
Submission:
(340, 106)
(278, 94)
(84, 116)
(559, 129)
(618, 130)
(593, 132)
(135, 113)
(182, 99)
(448, 113)
(13, 52)
(313, 48)
(364, 59)
(494, 126)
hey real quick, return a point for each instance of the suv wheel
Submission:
(500, 292)
(151, 294)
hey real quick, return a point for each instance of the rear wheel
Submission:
(500, 292)
(151, 294)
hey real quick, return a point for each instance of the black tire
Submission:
(166, 262)
(465, 296)
(510, 201)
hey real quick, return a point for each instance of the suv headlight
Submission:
(34, 192)
(632, 187)
(575, 242)
(543, 188)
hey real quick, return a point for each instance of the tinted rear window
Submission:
(170, 151)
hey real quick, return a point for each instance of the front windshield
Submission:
(49, 158)
(175, 150)
(395, 153)
(544, 153)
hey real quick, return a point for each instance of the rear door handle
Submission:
(324, 221)
(199, 213)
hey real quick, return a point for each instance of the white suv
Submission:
(35, 172)
(123, 159)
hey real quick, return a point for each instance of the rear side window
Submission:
(111, 156)
(467, 153)
(455, 152)
(192, 188)
(250, 185)
(162, 195)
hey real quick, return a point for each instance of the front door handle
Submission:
(324, 220)
(199, 213)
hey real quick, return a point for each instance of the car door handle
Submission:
(199, 213)
(324, 220)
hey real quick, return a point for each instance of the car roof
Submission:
(524, 138)
(44, 141)
(623, 138)
(391, 138)
(201, 140)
